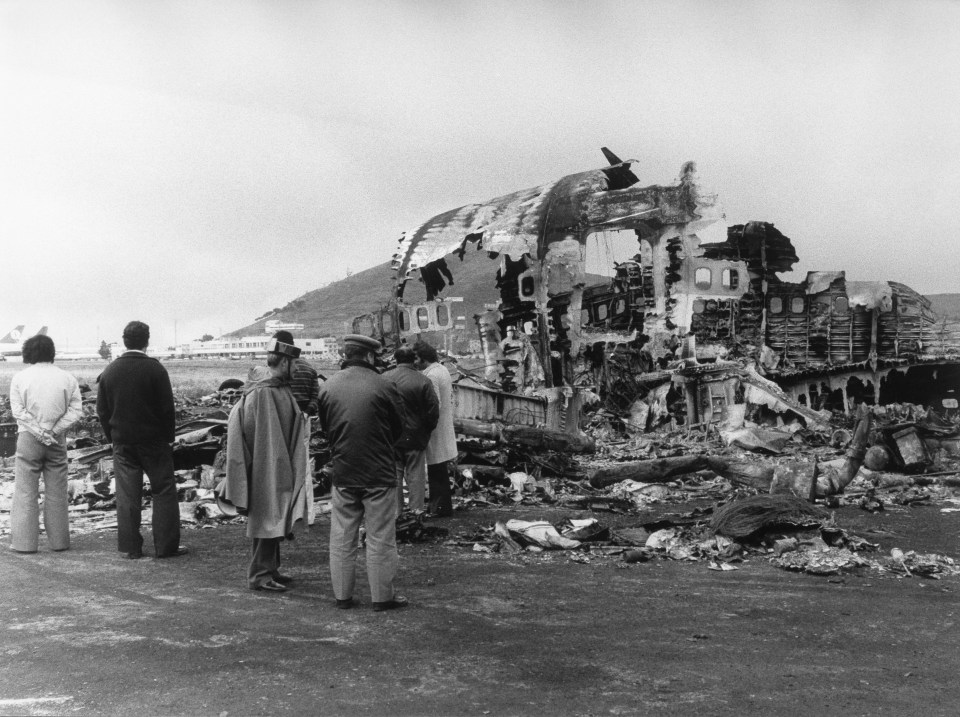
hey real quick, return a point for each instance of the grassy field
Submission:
(192, 379)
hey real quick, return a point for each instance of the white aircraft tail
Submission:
(15, 335)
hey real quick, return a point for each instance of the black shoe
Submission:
(134, 556)
(282, 579)
(346, 604)
(271, 586)
(398, 602)
(181, 550)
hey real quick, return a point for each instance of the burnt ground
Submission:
(87, 632)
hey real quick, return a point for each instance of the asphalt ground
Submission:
(88, 632)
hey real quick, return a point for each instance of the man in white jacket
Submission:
(443, 441)
(45, 401)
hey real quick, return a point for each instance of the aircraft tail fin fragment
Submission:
(15, 335)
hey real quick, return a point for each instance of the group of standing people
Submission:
(136, 412)
(384, 431)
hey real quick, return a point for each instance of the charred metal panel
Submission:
(482, 404)
(685, 294)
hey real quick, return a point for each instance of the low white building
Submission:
(323, 348)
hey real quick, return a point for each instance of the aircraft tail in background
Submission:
(42, 331)
(15, 335)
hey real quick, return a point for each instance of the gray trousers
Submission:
(412, 468)
(33, 460)
(378, 508)
(264, 561)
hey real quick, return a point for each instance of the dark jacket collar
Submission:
(358, 363)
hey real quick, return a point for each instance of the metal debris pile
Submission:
(899, 455)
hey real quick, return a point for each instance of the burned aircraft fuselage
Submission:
(615, 287)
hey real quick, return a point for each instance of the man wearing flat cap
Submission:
(362, 417)
(135, 408)
(266, 466)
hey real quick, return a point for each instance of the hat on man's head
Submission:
(279, 347)
(285, 336)
(362, 341)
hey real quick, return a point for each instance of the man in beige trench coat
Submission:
(266, 467)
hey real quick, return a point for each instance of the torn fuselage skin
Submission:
(540, 239)
(617, 287)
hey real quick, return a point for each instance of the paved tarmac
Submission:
(88, 632)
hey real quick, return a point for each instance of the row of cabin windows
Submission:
(422, 317)
(602, 311)
(799, 306)
(703, 278)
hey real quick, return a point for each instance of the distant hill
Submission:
(946, 305)
(330, 310)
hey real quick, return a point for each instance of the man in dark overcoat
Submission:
(362, 417)
(421, 413)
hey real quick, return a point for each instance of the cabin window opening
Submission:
(797, 305)
(423, 318)
(703, 278)
(776, 305)
(602, 250)
(730, 278)
(602, 312)
(443, 315)
(698, 306)
(526, 286)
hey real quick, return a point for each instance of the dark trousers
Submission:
(441, 497)
(130, 462)
(264, 562)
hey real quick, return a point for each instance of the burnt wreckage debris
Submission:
(665, 345)
(643, 303)
(656, 358)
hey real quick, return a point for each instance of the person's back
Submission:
(266, 474)
(136, 412)
(420, 403)
(421, 413)
(362, 416)
(135, 400)
(358, 410)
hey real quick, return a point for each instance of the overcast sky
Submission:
(194, 164)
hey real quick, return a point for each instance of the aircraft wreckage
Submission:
(644, 298)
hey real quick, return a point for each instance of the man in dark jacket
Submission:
(361, 414)
(135, 407)
(421, 413)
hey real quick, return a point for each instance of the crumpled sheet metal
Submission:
(870, 294)
(542, 534)
(528, 221)
(820, 281)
